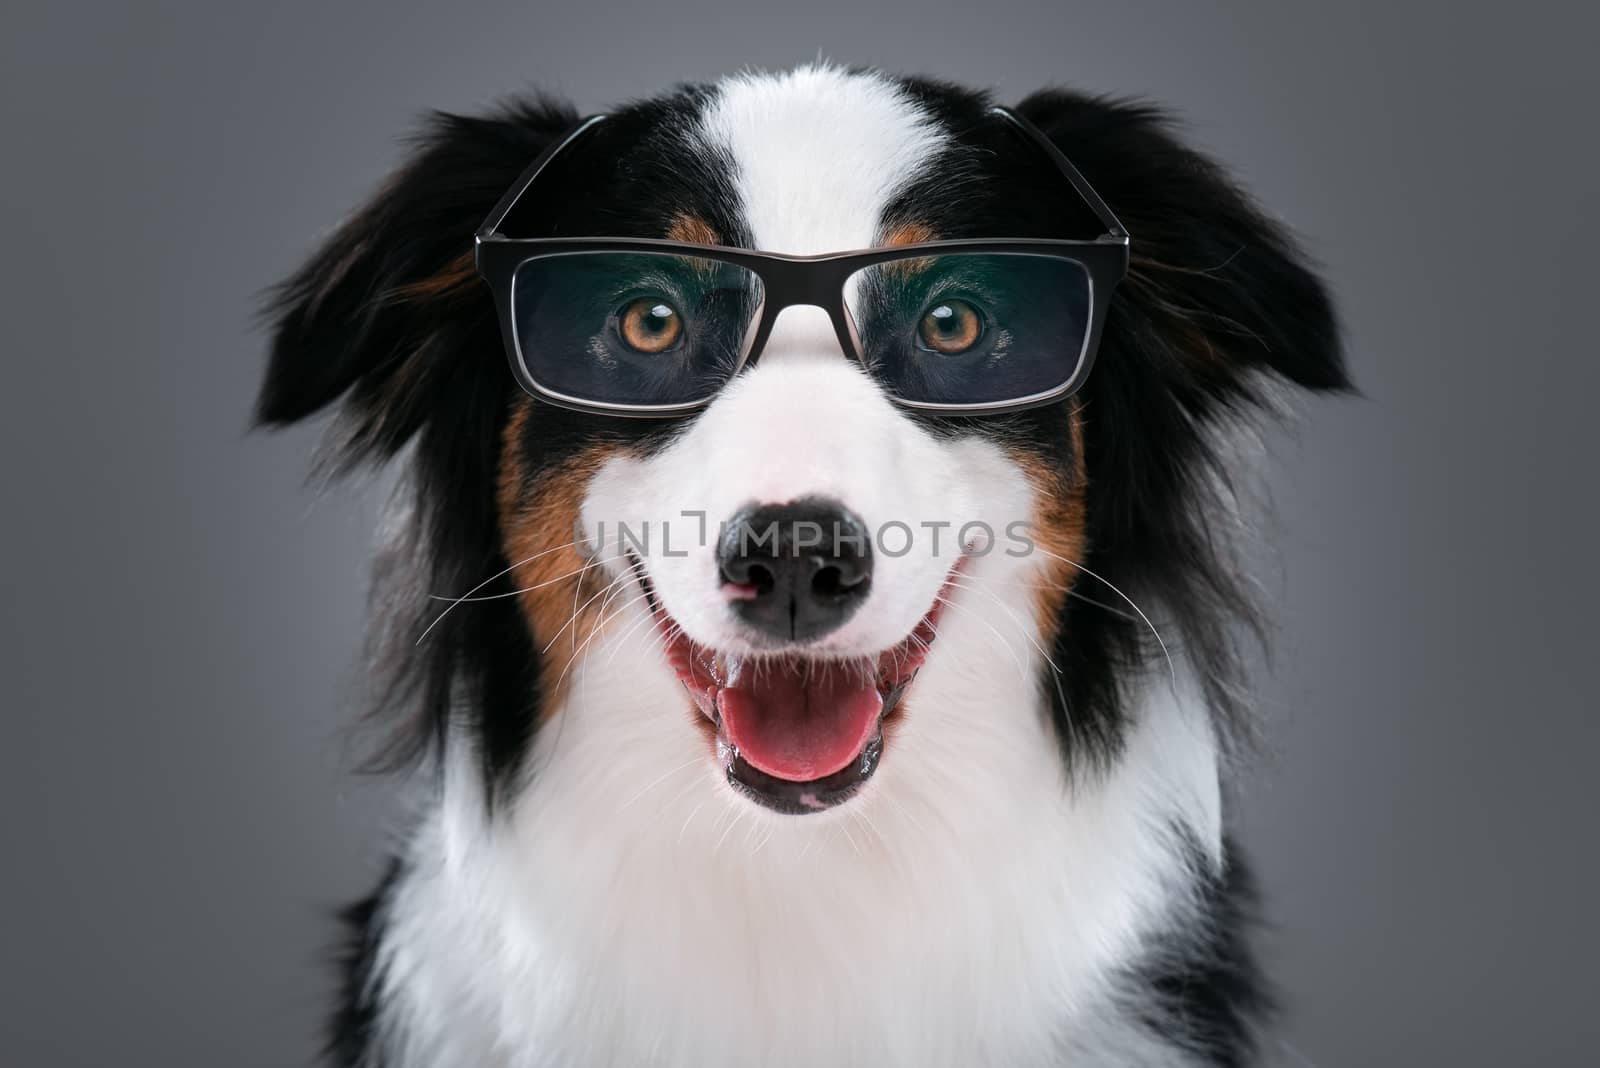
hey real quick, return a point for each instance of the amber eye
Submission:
(951, 327)
(650, 325)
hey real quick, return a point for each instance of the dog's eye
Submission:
(951, 327)
(650, 325)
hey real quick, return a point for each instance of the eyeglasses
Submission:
(653, 328)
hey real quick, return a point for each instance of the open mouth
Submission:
(794, 732)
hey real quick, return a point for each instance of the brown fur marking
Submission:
(455, 279)
(692, 230)
(1058, 526)
(908, 233)
(564, 604)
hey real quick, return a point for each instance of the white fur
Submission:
(808, 423)
(969, 907)
(819, 152)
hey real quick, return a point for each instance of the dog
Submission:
(729, 759)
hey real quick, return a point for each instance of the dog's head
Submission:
(799, 574)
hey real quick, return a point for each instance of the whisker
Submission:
(658, 781)
(771, 830)
(644, 618)
(576, 609)
(1022, 669)
(811, 840)
(491, 578)
(688, 819)
(958, 584)
(1119, 613)
(616, 586)
(1067, 589)
(873, 827)
(1055, 672)
(514, 593)
(844, 825)
(738, 818)
(612, 588)
(1171, 669)
(593, 632)
(561, 723)
(577, 588)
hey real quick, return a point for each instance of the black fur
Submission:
(1216, 293)
(350, 1032)
(1217, 297)
(1199, 986)
(356, 329)
(1218, 300)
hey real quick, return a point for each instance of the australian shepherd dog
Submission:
(815, 619)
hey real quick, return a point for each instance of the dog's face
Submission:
(801, 578)
(791, 656)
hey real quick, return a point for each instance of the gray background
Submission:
(181, 614)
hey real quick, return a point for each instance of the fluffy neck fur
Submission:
(626, 909)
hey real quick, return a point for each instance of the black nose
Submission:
(795, 571)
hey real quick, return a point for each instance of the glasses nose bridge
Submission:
(809, 284)
(805, 283)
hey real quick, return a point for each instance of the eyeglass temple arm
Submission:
(491, 225)
(1108, 218)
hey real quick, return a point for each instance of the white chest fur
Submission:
(969, 909)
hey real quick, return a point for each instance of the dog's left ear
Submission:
(1213, 281)
(387, 321)
(1218, 303)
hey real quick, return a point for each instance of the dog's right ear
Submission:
(388, 318)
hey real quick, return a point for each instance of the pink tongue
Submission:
(799, 726)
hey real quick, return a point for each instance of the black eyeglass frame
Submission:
(789, 281)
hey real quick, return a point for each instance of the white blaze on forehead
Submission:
(819, 152)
